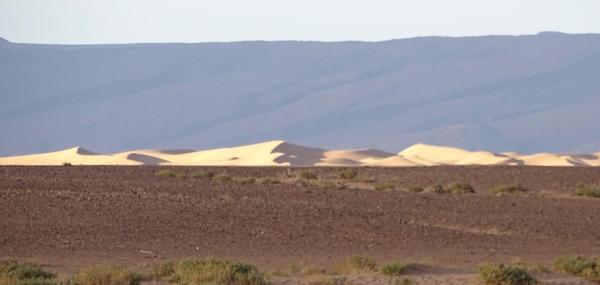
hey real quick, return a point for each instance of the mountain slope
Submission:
(527, 94)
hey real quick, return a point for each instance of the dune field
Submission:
(281, 153)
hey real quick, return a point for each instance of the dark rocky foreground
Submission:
(69, 216)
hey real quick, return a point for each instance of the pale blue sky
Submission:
(126, 21)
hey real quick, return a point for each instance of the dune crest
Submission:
(282, 153)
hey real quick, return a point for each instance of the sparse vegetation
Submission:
(403, 281)
(67, 164)
(512, 189)
(326, 184)
(579, 266)
(324, 280)
(213, 271)
(415, 189)
(166, 173)
(267, 180)
(436, 188)
(202, 175)
(384, 186)
(105, 275)
(180, 176)
(15, 273)
(459, 188)
(163, 270)
(394, 268)
(312, 271)
(222, 178)
(452, 188)
(306, 175)
(366, 179)
(244, 180)
(592, 191)
(349, 174)
(355, 264)
(500, 274)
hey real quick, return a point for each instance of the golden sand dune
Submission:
(281, 153)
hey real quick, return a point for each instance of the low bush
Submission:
(202, 175)
(355, 264)
(436, 188)
(244, 180)
(384, 186)
(267, 180)
(394, 268)
(307, 175)
(579, 266)
(403, 281)
(221, 178)
(163, 270)
(349, 174)
(67, 164)
(324, 280)
(12, 272)
(213, 271)
(325, 184)
(104, 275)
(459, 188)
(512, 189)
(500, 274)
(166, 173)
(588, 191)
(415, 189)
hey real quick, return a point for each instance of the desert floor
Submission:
(68, 217)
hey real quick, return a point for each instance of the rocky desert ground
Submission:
(277, 218)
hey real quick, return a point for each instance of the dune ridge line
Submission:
(282, 153)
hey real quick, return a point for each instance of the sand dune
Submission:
(281, 153)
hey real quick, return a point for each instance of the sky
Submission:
(130, 21)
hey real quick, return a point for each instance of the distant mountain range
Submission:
(537, 93)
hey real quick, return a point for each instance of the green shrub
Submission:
(104, 275)
(166, 173)
(202, 175)
(13, 270)
(459, 188)
(366, 179)
(307, 175)
(574, 265)
(221, 178)
(325, 184)
(394, 268)
(436, 188)
(349, 174)
(415, 189)
(513, 189)
(30, 282)
(180, 176)
(500, 274)
(384, 186)
(163, 270)
(588, 191)
(267, 180)
(213, 271)
(324, 280)
(592, 274)
(355, 264)
(244, 180)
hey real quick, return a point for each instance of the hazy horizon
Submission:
(136, 21)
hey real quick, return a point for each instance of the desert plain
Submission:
(443, 220)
